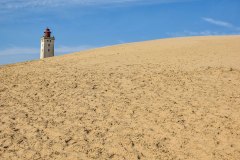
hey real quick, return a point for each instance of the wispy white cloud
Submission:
(35, 51)
(220, 23)
(18, 51)
(15, 4)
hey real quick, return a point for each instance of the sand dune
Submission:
(163, 99)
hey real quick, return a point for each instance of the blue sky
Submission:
(84, 24)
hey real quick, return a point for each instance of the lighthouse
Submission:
(47, 45)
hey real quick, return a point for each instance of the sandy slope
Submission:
(164, 99)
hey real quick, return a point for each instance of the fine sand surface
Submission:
(163, 99)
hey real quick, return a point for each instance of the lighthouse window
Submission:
(48, 50)
(48, 45)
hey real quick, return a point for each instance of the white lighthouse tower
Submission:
(47, 45)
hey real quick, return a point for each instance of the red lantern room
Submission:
(47, 33)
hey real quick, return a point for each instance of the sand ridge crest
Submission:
(163, 99)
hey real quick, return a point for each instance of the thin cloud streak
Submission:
(220, 23)
(18, 51)
(16, 4)
(35, 51)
